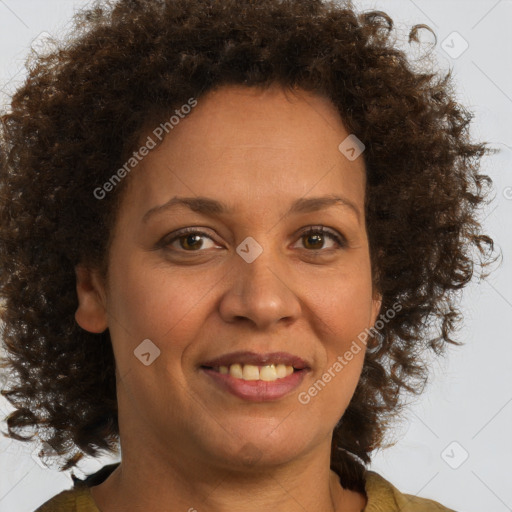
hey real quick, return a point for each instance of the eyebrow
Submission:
(213, 208)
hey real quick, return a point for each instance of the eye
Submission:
(314, 238)
(189, 240)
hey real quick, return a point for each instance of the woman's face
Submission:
(249, 172)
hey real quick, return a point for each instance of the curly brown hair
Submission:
(129, 63)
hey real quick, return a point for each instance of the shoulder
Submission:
(79, 498)
(72, 500)
(384, 497)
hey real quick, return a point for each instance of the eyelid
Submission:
(331, 233)
(176, 235)
(334, 235)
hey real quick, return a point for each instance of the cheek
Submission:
(151, 303)
(344, 305)
(343, 312)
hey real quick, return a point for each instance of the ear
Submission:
(376, 305)
(91, 314)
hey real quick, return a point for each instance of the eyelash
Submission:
(338, 239)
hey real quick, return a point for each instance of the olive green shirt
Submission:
(381, 496)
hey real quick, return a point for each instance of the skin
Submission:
(186, 444)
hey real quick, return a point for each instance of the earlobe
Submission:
(376, 305)
(91, 312)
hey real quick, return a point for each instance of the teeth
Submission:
(235, 370)
(269, 372)
(281, 371)
(250, 372)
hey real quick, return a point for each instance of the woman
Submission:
(230, 233)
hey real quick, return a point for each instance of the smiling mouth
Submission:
(257, 377)
(267, 372)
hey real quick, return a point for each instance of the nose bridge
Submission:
(259, 290)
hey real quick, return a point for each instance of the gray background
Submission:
(454, 442)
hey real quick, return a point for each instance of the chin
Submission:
(262, 451)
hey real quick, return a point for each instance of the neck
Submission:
(147, 483)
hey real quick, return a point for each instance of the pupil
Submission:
(316, 239)
(190, 240)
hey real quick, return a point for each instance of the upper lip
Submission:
(246, 357)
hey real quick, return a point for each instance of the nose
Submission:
(260, 293)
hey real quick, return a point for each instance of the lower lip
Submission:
(257, 390)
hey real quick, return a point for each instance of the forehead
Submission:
(242, 144)
(249, 117)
